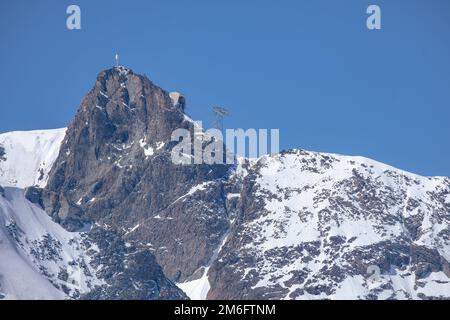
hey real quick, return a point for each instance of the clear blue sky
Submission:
(310, 68)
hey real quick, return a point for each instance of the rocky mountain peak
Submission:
(121, 102)
(114, 168)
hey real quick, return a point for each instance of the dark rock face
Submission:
(114, 168)
(2, 154)
(130, 273)
(34, 195)
(426, 261)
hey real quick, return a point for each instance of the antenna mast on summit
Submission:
(117, 59)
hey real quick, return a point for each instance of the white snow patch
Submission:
(148, 150)
(233, 195)
(194, 189)
(133, 229)
(159, 145)
(197, 289)
(175, 97)
(29, 156)
(187, 118)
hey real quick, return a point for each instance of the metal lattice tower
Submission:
(219, 113)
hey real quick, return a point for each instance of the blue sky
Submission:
(310, 68)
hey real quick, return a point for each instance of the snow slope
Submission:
(196, 289)
(26, 157)
(38, 258)
(312, 225)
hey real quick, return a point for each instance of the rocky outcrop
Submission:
(114, 168)
(128, 272)
(2, 154)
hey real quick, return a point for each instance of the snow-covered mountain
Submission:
(38, 258)
(296, 225)
(26, 157)
(317, 226)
